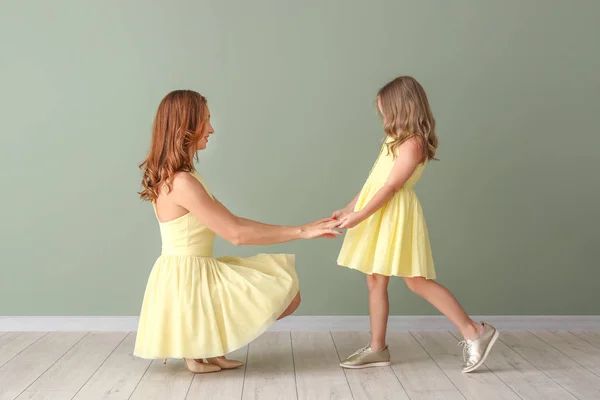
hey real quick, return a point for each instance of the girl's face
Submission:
(206, 132)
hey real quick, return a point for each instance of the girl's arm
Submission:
(189, 193)
(350, 206)
(410, 154)
(337, 214)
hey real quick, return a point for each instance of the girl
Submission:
(198, 307)
(387, 235)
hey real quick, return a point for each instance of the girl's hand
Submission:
(350, 220)
(321, 228)
(339, 214)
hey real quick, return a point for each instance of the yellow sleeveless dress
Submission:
(198, 306)
(394, 240)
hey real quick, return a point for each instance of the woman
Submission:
(197, 307)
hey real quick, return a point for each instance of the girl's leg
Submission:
(379, 309)
(446, 303)
(377, 353)
(479, 338)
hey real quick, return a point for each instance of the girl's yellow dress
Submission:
(394, 240)
(198, 306)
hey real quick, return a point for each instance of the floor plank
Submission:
(483, 384)
(12, 343)
(74, 369)
(521, 376)
(117, 378)
(418, 373)
(226, 384)
(592, 337)
(46, 395)
(580, 351)
(25, 368)
(560, 368)
(164, 382)
(318, 374)
(369, 383)
(270, 369)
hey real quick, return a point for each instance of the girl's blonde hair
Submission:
(178, 126)
(406, 114)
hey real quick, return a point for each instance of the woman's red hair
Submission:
(178, 126)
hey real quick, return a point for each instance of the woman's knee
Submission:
(295, 303)
(292, 307)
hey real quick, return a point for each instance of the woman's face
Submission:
(207, 131)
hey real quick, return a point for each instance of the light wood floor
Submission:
(302, 365)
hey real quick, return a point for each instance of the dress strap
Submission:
(200, 179)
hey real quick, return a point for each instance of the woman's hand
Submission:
(350, 220)
(321, 228)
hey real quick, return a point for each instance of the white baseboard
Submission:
(315, 323)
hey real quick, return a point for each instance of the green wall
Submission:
(512, 207)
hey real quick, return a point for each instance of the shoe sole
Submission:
(370, 365)
(487, 352)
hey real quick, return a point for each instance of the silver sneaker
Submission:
(476, 351)
(366, 357)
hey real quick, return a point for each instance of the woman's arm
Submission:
(241, 219)
(189, 193)
(410, 154)
(259, 225)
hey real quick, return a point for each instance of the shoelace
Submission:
(360, 351)
(466, 345)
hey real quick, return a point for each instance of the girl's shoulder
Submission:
(413, 144)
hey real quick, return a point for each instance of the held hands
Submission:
(346, 217)
(339, 214)
(343, 218)
(350, 220)
(323, 228)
